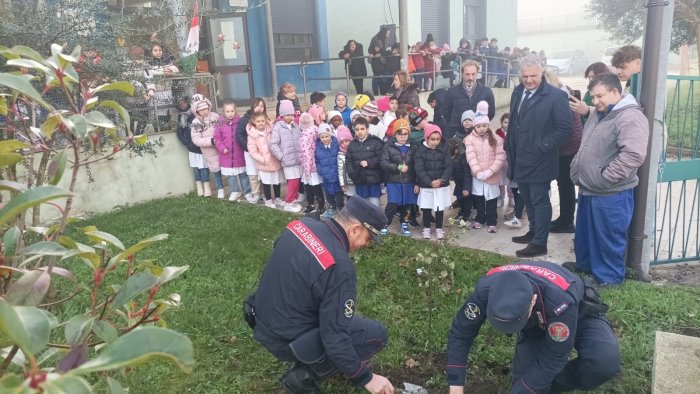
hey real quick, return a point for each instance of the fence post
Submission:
(657, 40)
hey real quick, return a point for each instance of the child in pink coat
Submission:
(307, 154)
(231, 159)
(202, 133)
(259, 135)
(485, 154)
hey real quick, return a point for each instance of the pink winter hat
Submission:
(286, 108)
(383, 103)
(482, 113)
(343, 133)
(430, 129)
(305, 121)
(316, 111)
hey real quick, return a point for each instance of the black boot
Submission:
(300, 379)
(524, 239)
(532, 250)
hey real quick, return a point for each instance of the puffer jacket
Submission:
(284, 143)
(242, 130)
(370, 150)
(408, 95)
(202, 133)
(481, 156)
(307, 148)
(431, 164)
(612, 150)
(460, 166)
(391, 158)
(343, 176)
(327, 160)
(259, 149)
(224, 138)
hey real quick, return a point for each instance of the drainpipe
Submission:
(403, 33)
(271, 48)
(657, 39)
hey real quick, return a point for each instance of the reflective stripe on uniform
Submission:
(312, 243)
(551, 276)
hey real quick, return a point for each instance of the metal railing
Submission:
(487, 75)
(677, 224)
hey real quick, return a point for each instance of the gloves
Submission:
(480, 176)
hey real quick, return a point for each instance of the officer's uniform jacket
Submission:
(308, 282)
(554, 318)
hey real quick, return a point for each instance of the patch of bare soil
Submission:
(680, 274)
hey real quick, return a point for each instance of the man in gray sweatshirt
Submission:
(613, 147)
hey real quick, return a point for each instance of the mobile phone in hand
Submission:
(575, 93)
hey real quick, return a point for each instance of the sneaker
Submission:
(463, 223)
(499, 204)
(251, 198)
(328, 213)
(279, 201)
(492, 229)
(426, 233)
(510, 214)
(234, 196)
(439, 233)
(405, 231)
(292, 207)
(476, 225)
(459, 217)
(270, 204)
(220, 194)
(384, 231)
(514, 223)
(310, 208)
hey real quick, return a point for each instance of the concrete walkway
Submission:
(676, 364)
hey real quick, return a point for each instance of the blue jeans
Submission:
(601, 235)
(218, 180)
(245, 183)
(539, 209)
(201, 174)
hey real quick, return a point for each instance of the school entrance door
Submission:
(230, 57)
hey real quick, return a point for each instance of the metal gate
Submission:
(677, 225)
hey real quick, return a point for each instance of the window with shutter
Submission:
(294, 30)
(435, 17)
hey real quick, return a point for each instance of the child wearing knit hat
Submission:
(418, 117)
(202, 133)
(310, 176)
(327, 149)
(486, 156)
(344, 138)
(433, 167)
(283, 144)
(461, 173)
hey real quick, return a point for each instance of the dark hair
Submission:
(361, 120)
(626, 54)
(609, 80)
(505, 116)
(255, 116)
(463, 41)
(597, 68)
(431, 97)
(253, 103)
(492, 137)
(401, 111)
(227, 102)
(316, 97)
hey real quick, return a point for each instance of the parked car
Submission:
(568, 62)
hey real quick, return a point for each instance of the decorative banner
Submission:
(190, 53)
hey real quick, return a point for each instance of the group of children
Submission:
(375, 147)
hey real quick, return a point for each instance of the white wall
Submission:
(130, 179)
(502, 21)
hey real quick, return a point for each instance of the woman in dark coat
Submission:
(405, 91)
(355, 68)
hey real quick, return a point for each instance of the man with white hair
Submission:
(540, 121)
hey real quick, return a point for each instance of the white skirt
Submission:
(481, 188)
(312, 179)
(292, 172)
(250, 168)
(197, 160)
(232, 171)
(269, 177)
(437, 199)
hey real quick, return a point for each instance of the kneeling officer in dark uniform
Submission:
(304, 307)
(552, 311)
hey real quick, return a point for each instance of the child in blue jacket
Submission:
(327, 167)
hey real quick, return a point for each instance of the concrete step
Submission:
(676, 364)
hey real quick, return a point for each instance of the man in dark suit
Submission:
(464, 97)
(540, 121)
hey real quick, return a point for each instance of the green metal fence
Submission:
(677, 225)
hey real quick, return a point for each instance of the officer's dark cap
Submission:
(371, 216)
(508, 307)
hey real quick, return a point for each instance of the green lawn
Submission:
(226, 246)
